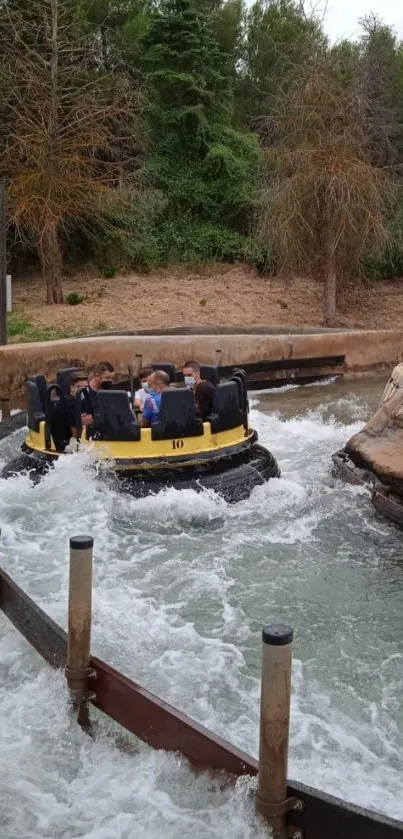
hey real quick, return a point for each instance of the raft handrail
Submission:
(160, 725)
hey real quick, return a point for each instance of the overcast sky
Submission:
(342, 15)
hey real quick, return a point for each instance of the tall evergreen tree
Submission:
(204, 167)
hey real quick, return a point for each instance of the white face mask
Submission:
(189, 381)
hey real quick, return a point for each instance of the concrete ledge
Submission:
(366, 351)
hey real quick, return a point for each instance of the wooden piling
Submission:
(138, 364)
(271, 801)
(5, 407)
(78, 668)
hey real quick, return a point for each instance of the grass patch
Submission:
(21, 330)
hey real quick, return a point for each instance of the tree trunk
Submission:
(50, 256)
(54, 71)
(330, 292)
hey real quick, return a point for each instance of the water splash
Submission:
(182, 585)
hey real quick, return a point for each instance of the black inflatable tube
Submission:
(233, 478)
(234, 481)
(13, 423)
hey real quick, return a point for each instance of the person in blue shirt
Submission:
(157, 383)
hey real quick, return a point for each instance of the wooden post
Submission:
(139, 363)
(271, 799)
(79, 624)
(5, 407)
(3, 267)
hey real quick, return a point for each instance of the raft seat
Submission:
(113, 418)
(226, 412)
(178, 416)
(63, 378)
(39, 380)
(35, 408)
(211, 373)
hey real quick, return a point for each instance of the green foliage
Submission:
(281, 40)
(205, 168)
(389, 263)
(204, 78)
(134, 238)
(22, 330)
(74, 298)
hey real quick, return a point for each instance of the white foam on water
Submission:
(182, 585)
(274, 391)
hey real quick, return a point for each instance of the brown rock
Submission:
(379, 445)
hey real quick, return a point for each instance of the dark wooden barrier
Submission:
(266, 374)
(163, 727)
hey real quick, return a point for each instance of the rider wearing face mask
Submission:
(100, 377)
(141, 395)
(158, 381)
(203, 391)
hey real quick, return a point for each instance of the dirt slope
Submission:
(230, 294)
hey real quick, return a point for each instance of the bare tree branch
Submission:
(72, 132)
(328, 201)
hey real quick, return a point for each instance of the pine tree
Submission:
(204, 167)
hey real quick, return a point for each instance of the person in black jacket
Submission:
(100, 377)
(203, 391)
(64, 419)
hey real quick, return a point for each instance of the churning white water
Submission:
(183, 584)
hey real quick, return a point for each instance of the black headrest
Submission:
(166, 366)
(177, 416)
(237, 371)
(35, 411)
(40, 381)
(113, 419)
(226, 411)
(63, 378)
(210, 372)
(242, 391)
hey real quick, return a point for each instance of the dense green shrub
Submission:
(389, 263)
(74, 298)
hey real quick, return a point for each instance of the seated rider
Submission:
(203, 391)
(141, 394)
(78, 381)
(63, 421)
(158, 381)
(100, 377)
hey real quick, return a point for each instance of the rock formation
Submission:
(379, 445)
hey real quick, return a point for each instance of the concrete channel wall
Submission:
(366, 351)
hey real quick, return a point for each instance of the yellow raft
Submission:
(220, 453)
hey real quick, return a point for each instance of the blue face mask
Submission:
(145, 386)
(189, 381)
